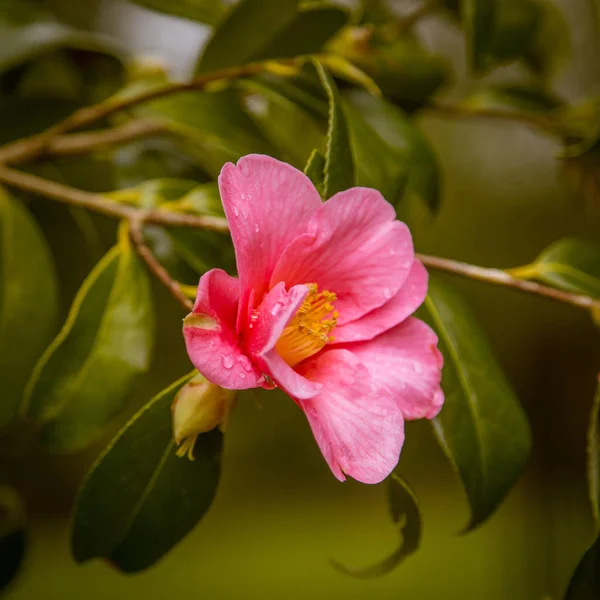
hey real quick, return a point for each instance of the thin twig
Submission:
(100, 204)
(36, 145)
(499, 277)
(136, 233)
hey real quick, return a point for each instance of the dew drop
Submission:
(276, 308)
(227, 362)
(392, 252)
(256, 229)
(387, 293)
(245, 365)
(236, 211)
(242, 375)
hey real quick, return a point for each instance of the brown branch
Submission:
(499, 277)
(136, 233)
(35, 146)
(80, 143)
(102, 205)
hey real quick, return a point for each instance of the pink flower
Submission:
(322, 310)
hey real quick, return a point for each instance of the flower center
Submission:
(309, 329)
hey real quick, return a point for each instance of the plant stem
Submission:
(100, 204)
(37, 145)
(500, 277)
(136, 232)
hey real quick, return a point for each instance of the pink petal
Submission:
(355, 421)
(268, 203)
(393, 312)
(407, 361)
(210, 338)
(354, 248)
(274, 313)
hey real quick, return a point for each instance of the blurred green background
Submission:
(279, 515)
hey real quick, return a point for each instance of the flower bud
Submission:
(200, 406)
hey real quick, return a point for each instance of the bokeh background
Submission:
(280, 516)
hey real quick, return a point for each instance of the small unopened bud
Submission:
(200, 406)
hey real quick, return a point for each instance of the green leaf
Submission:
(212, 126)
(339, 162)
(478, 18)
(254, 31)
(204, 11)
(12, 535)
(409, 152)
(28, 301)
(550, 46)
(181, 195)
(593, 456)
(28, 32)
(569, 264)
(585, 583)
(140, 499)
(315, 169)
(400, 66)
(406, 513)
(290, 128)
(87, 375)
(482, 427)
(378, 165)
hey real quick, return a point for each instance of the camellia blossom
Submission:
(321, 308)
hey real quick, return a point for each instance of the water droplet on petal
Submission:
(236, 211)
(246, 365)
(392, 252)
(387, 293)
(242, 375)
(256, 229)
(227, 362)
(276, 308)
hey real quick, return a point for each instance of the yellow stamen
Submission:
(310, 328)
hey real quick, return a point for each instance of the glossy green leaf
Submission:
(139, 499)
(86, 376)
(12, 535)
(28, 301)
(406, 514)
(27, 31)
(593, 456)
(378, 165)
(212, 126)
(340, 171)
(410, 154)
(253, 31)
(570, 264)
(478, 18)
(315, 169)
(286, 125)
(205, 11)
(585, 583)
(401, 67)
(550, 46)
(181, 195)
(482, 427)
